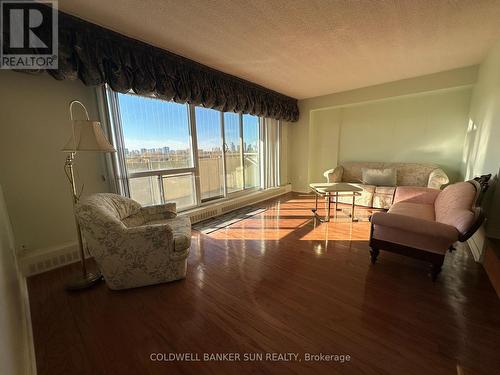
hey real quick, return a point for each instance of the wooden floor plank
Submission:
(277, 282)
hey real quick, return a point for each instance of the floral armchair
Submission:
(133, 245)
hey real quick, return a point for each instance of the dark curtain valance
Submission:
(96, 55)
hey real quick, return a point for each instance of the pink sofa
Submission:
(424, 223)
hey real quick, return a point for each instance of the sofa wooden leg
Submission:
(374, 254)
(435, 270)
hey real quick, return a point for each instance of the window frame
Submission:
(111, 104)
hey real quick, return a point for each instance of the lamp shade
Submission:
(88, 136)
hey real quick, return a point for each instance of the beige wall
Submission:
(482, 146)
(284, 152)
(350, 125)
(35, 125)
(427, 128)
(14, 349)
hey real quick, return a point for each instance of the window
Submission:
(156, 134)
(209, 135)
(157, 145)
(182, 153)
(251, 151)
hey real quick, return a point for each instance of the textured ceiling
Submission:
(311, 47)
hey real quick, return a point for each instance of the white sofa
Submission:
(408, 174)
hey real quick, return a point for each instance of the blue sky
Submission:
(153, 123)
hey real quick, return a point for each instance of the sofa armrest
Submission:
(158, 212)
(334, 175)
(414, 225)
(415, 194)
(437, 179)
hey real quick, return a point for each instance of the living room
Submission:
(193, 191)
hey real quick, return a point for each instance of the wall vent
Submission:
(203, 215)
(48, 259)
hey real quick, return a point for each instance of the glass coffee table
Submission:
(335, 190)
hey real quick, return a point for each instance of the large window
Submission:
(251, 151)
(158, 150)
(182, 153)
(210, 154)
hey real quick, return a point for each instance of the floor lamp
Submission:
(86, 136)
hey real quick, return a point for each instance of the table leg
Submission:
(327, 218)
(315, 202)
(352, 209)
(336, 201)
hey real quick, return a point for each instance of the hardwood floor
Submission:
(276, 283)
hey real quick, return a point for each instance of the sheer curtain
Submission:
(270, 152)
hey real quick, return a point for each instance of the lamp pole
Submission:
(85, 279)
(69, 165)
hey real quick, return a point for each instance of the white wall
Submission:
(285, 126)
(35, 125)
(482, 146)
(14, 346)
(350, 124)
(427, 128)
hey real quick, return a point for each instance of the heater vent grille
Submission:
(203, 215)
(54, 261)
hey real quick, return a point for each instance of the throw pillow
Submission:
(379, 177)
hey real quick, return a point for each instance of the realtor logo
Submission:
(28, 35)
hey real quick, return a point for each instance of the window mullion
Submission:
(119, 143)
(242, 152)
(194, 148)
(223, 134)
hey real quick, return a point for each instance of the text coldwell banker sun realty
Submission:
(249, 357)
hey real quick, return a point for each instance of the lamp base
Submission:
(82, 282)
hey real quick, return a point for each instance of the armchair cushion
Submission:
(416, 210)
(383, 196)
(415, 194)
(167, 210)
(150, 213)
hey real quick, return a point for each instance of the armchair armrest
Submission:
(437, 178)
(158, 212)
(334, 175)
(149, 232)
(148, 241)
(415, 225)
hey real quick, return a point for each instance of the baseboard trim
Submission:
(30, 360)
(46, 259)
(476, 244)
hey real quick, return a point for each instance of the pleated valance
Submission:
(96, 55)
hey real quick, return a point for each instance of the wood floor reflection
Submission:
(278, 282)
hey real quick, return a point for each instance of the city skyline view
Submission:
(154, 124)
